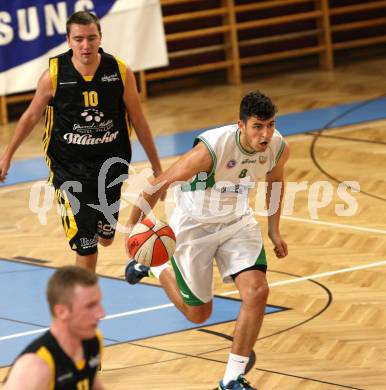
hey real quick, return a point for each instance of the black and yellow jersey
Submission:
(86, 120)
(65, 374)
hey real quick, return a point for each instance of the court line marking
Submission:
(109, 317)
(297, 219)
(152, 308)
(128, 196)
(316, 276)
(16, 335)
(132, 312)
(16, 187)
(339, 225)
(312, 133)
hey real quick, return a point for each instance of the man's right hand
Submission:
(4, 167)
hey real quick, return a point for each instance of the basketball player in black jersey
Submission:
(91, 104)
(68, 355)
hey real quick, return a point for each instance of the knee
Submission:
(256, 294)
(198, 315)
(197, 318)
(105, 241)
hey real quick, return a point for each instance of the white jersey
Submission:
(221, 195)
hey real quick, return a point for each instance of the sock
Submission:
(156, 271)
(236, 366)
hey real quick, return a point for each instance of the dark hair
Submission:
(83, 17)
(62, 283)
(258, 105)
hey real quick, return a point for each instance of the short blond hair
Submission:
(62, 283)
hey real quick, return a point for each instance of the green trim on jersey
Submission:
(209, 181)
(238, 143)
(186, 293)
(280, 152)
(211, 151)
(262, 259)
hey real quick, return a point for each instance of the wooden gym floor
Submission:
(334, 279)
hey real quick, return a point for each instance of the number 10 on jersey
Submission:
(90, 98)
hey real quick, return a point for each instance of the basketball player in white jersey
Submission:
(212, 219)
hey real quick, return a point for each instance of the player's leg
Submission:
(108, 216)
(196, 314)
(195, 309)
(105, 241)
(189, 283)
(247, 267)
(80, 224)
(254, 290)
(87, 261)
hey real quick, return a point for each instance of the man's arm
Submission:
(277, 176)
(142, 128)
(30, 372)
(27, 121)
(193, 162)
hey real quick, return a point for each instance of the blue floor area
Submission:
(23, 309)
(172, 145)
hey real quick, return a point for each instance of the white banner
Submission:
(32, 31)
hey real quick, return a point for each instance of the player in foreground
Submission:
(212, 219)
(68, 355)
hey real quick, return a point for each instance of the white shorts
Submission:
(236, 246)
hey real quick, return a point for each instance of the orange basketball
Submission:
(151, 244)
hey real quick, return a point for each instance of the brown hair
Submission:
(83, 17)
(258, 105)
(61, 284)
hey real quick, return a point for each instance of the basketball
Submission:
(150, 243)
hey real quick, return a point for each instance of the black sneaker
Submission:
(239, 384)
(135, 271)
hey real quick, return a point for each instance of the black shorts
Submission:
(82, 223)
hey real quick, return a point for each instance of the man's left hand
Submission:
(280, 246)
